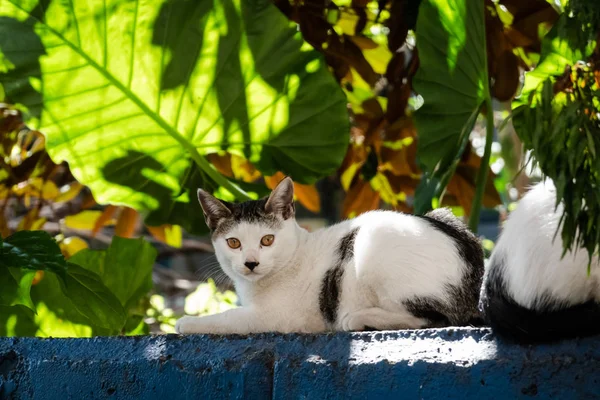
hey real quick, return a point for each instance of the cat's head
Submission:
(255, 238)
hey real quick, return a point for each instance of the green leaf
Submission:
(16, 287)
(561, 47)
(452, 79)
(133, 94)
(34, 250)
(125, 268)
(555, 118)
(93, 299)
(55, 314)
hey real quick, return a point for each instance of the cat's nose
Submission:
(251, 265)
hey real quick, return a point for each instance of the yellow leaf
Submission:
(28, 187)
(38, 224)
(36, 187)
(68, 192)
(308, 196)
(168, 234)
(4, 191)
(348, 175)
(360, 198)
(49, 190)
(127, 222)
(84, 220)
(273, 181)
(31, 221)
(4, 231)
(103, 219)
(243, 169)
(39, 275)
(379, 58)
(222, 162)
(72, 245)
(364, 42)
(381, 184)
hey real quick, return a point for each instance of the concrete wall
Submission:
(452, 363)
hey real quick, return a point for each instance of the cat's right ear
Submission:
(214, 210)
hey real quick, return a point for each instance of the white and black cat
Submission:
(381, 270)
(530, 294)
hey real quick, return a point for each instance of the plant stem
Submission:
(481, 179)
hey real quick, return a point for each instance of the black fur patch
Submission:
(552, 322)
(252, 211)
(467, 244)
(346, 246)
(329, 298)
(462, 308)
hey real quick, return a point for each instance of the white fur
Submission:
(532, 266)
(396, 257)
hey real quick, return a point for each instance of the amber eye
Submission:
(233, 243)
(267, 240)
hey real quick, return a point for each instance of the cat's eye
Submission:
(267, 240)
(234, 243)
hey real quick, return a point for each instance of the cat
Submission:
(382, 270)
(530, 294)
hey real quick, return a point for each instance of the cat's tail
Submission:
(515, 322)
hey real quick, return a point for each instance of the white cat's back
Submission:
(405, 252)
(531, 251)
(530, 292)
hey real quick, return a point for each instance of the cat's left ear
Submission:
(281, 200)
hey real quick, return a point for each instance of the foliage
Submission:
(38, 193)
(205, 300)
(134, 104)
(369, 46)
(557, 117)
(453, 92)
(94, 292)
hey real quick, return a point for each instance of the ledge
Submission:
(446, 363)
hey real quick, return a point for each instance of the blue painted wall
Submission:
(430, 364)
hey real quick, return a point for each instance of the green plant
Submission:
(556, 116)
(134, 104)
(94, 292)
(207, 299)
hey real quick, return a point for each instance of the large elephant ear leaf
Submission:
(134, 94)
(451, 31)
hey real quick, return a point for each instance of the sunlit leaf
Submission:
(125, 267)
(71, 245)
(85, 220)
(452, 79)
(132, 95)
(16, 286)
(168, 234)
(68, 192)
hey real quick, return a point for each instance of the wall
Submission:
(452, 363)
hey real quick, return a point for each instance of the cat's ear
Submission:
(213, 208)
(281, 200)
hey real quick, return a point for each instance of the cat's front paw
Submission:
(353, 322)
(187, 325)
